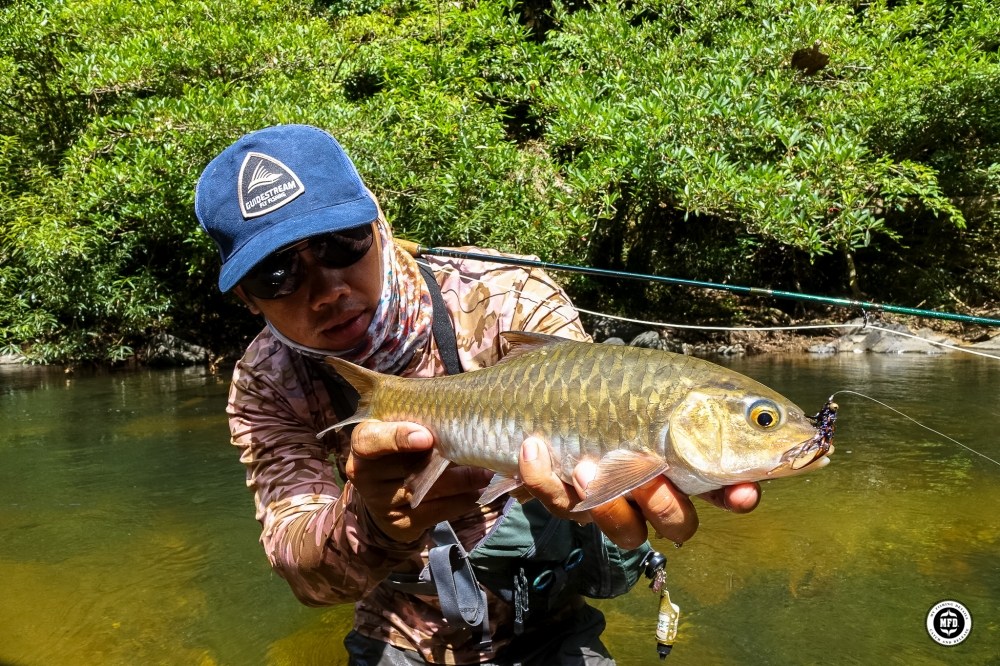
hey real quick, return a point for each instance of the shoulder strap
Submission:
(345, 397)
(448, 573)
(444, 332)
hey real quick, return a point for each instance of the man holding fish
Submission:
(305, 245)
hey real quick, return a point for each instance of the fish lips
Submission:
(814, 452)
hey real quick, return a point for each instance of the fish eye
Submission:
(764, 414)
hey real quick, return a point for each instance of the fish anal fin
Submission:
(523, 342)
(421, 482)
(522, 495)
(499, 485)
(618, 472)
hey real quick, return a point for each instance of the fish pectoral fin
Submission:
(420, 482)
(499, 485)
(619, 472)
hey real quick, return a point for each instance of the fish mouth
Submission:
(817, 448)
(813, 451)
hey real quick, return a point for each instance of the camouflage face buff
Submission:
(401, 324)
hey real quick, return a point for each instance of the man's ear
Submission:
(247, 299)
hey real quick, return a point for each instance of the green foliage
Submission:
(652, 135)
(696, 110)
(110, 130)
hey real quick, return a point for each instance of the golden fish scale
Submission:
(583, 399)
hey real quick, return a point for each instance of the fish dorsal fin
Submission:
(523, 342)
(618, 472)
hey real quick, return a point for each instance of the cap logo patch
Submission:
(265, 185)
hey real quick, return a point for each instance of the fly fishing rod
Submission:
(418, 250)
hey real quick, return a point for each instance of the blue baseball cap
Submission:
(275, 187)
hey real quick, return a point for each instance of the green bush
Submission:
(111, 126)
(655, 136)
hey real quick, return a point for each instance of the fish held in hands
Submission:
(637, 413)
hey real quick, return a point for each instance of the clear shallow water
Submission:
(127, 535)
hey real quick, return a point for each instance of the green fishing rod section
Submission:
(417, 250)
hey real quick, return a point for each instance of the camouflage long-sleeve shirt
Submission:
(316, 532)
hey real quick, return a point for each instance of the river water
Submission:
(127, 535)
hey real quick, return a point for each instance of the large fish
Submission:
(636, 412)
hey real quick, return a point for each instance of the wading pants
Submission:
(576, 642)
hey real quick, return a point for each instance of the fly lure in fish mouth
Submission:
(818, 446)
(825, 421)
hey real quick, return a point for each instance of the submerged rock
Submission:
(662, 340)
(167, 350)
(886, 339)
(987, 345)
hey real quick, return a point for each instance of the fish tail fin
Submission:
(364, 381)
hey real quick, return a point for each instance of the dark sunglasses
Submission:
(281, 273)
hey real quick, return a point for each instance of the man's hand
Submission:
(624, 520)
(383, 455)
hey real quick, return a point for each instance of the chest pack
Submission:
(530, 559)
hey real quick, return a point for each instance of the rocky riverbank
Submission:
(812, 337)
(853, 336)
(162, 350)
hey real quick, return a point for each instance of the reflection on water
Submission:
(127, 536)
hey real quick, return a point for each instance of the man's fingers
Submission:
(456, 481)
(374, 439)
(667, 509)
(540, 479)
(405, 524)
(739, 498)
(743, 497)
(620, 521)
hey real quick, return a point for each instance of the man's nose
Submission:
(325, 285)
